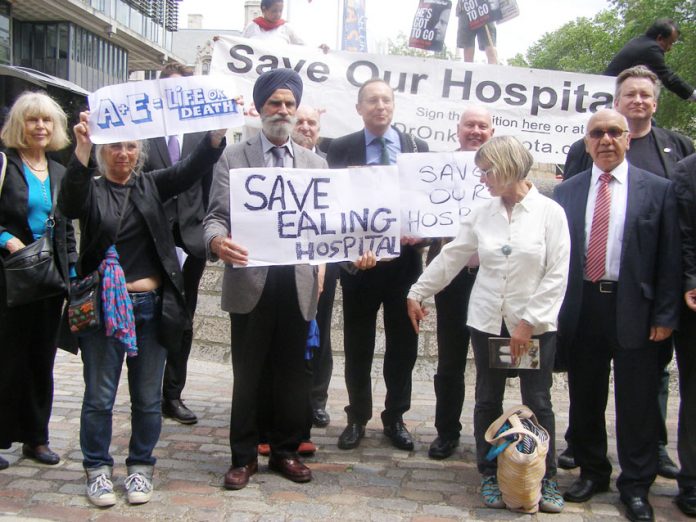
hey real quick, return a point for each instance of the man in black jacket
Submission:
(387, 284)
(656, 150)
(185, 213)
(649, 50)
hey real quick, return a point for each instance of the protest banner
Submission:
(151, 108)
(479, 12)
(508, 10)
(354, 26)
(430, 25)
(293, 216)
(546, 110)
(438, 191)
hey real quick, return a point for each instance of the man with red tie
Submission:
(623, 297)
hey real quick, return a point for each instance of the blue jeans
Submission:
(102, 357)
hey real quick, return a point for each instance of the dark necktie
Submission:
(173, 147)
(278, 156)
(383, 153)
(595, 265)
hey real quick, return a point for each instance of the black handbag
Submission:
(31, 274)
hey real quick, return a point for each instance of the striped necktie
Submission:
(599, 233)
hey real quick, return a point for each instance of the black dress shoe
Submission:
(666, 467)
(177, 410)
(3, 464)
(582, 490)
(399, 436)
(320, 418)
(442, 448)
(686, 501)
(351, 436)
(638, 509)
(41, 453)
(566, 460)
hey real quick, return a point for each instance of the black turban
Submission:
(270, 81)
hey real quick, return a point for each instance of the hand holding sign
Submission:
(83, 143)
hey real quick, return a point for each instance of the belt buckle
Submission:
(606, 287)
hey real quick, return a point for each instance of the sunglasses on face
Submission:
(612, 132)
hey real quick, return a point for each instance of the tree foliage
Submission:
(587, 45)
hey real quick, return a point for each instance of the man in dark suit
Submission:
(623, 297)
(475, 128)
(270, 307)
(649, 50)
(185, 213)
(306, 133)
(656, 150)
(685, 338)
(387, 284)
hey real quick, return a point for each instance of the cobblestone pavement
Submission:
(372, 483)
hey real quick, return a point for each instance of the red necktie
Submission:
(599, 233)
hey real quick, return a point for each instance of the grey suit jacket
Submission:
(242, 287)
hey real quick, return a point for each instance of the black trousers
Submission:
(635, 393)
(322, 361)
(452, 348)
(268, 348)
(363, 294)
(27, 354)
(177, 359)
(685, 342)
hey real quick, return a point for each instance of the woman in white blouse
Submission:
(523, 244)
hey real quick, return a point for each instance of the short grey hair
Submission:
(508, 157)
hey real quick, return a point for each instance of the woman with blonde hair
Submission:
(523, 244)
(35, 125)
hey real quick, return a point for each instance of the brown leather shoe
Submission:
(290, 468)
(237, 478)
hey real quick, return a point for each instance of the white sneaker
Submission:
(100, 489)
(139, 488)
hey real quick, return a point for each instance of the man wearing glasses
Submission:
(656, 150)
(623, 297)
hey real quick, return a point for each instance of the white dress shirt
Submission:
(529, 283)
(617, 217)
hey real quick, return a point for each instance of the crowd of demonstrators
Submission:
(595, 277)
(125, 234)
(185, 212)
(658, 151)
(378, 143)
(473, 130)
(649, 50)
(521, 238)
(35, 125)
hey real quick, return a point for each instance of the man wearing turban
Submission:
(270, 307)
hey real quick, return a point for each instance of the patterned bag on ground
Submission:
(521, 445)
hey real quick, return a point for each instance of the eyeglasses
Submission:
(612, 132)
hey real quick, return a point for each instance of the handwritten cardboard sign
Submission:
(293, 216)
(438, 191)
(146, 109)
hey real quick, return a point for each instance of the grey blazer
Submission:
(242, 287)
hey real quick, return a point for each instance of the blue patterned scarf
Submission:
(117, 307)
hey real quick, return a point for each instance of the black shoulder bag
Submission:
(31, 274)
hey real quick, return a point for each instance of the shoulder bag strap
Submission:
(118, 231)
